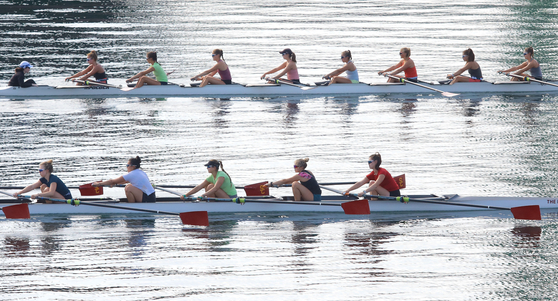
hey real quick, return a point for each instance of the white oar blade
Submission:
(448, 94)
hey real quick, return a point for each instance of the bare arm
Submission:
(149, 70)
(111, 182)
(357, 185)
(197, 188)
(338, 71)
(211, 71)
(29, 188)
(93, 70)
(458, 72)
(392, 67)
(81, 72)
(294, 178)
(216, 187)
(282, 66)
(290, 66)
(515, 68)
(408, 64)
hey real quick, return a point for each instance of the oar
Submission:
(197, 218)
(278, 81)
(237, 187)
(355, 207)
(403, 80)
(532, 212)
(19, 211)
(94, 83)
(351, 207)
(527, 78)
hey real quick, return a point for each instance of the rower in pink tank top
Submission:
(293, 74)
(225, 74)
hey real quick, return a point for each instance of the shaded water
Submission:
(471, 145)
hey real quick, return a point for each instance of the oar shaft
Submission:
(78, 202)
(435, 202)
(528, 78)
(413, 83)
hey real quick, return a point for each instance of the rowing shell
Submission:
(272, 89)
(328, 204)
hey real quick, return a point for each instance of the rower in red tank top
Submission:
(380, 181)
(406, 64)
(207, 77)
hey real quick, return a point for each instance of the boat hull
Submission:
(276, 205)
(269, 90)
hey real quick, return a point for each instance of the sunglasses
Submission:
(525, 53)
(88, 59)
(283, 53)
(464, 55)
(370, 161)
(41, 170)
(213, 55)
(295, 166)
(342, 57)
(128, 165)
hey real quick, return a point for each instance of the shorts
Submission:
(233, 196)
(395, 193)
(295, 81)
(102, 80)
(148, 198)
(354, 81)
(164, 83)
(317, 198)
(227, 81)
(474, 80)
(413, 79)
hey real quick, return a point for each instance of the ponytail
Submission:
(347, 53)
(219, 52)
(135, 162)
(93, 55)
(47, 165)
(293, 57)
(221, 164)
(470, 55)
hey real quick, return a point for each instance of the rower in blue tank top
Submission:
(304, 184)
(51, 186)
(530, 64)
(471, 66)
(349, 68)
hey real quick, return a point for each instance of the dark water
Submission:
(470, 145)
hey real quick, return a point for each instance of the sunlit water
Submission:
(470, 145)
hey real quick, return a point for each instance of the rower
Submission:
(51, 186)
(160, 75)
(304, 184)
(380, 181)
(18, 79)
(471, 66)
(138, 189)
(207, 77)
(289, 68)
(93, 70)
(406, 64)
(530, 65)
(349, 68)
(218, 184)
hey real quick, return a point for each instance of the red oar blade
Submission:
(356, 207)
(196, 218)
(527, 212)
(17, 211)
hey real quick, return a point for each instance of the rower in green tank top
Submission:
(218, 184)
(160, 75)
